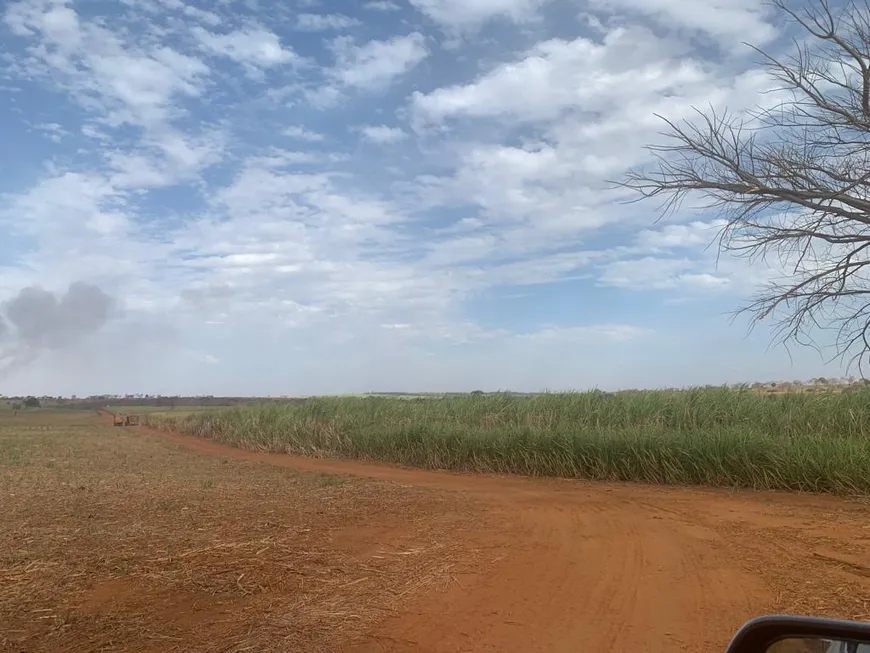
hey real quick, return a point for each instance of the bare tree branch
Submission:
(791, 182)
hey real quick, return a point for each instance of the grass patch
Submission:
(717, 437)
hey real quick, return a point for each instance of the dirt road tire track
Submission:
(576, 566)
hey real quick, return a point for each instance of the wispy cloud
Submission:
(730, 21)
(126, 79)
(464, 14)
(374, 65)
(383, 135)
(381, 5)
(325, 22)
(302, 134)
(252, 46)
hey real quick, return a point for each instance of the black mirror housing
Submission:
(761, 634)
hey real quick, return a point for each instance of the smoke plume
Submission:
(37, 321)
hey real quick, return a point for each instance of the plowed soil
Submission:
(182, 544)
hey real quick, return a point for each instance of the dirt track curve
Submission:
(575, 566)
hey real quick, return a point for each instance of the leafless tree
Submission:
(791, 182)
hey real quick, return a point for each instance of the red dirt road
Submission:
(575, 566)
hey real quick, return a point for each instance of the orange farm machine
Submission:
(126, 420)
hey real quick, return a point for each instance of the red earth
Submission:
(577, 566)
(408, 560)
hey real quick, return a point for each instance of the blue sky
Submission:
(322, 197)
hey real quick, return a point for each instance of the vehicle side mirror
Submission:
(788, 634)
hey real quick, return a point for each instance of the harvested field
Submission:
(115, 542)
(137, 540)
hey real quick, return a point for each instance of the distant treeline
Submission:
(164, 401)
(160, 401)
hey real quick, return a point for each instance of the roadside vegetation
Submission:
(818, 442)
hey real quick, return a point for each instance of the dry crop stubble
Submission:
(113, 542)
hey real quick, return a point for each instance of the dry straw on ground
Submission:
(110, 542)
